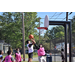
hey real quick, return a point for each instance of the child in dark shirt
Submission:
(1, 55)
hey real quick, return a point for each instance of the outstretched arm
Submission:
(36, 47)
(34, 43)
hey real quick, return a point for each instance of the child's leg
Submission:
(0, 60)
(39, 58)
(44, 59)
(30, 57)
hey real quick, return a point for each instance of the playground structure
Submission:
(65, 23)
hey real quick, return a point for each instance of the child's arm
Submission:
(15, 57)
(36, 47)
(12, 59)
(3, 60)
(33, 41)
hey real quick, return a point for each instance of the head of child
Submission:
(17, 50)
(62, 49)
(1, 52)
(28, 42)
(40, 45)
(9, 52)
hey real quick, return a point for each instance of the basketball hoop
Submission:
(41, 31)
(46, 24)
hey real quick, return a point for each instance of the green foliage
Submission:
(46, 46)
(55, 32)
(35, 53)
(11, 30)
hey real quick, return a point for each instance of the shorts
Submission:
(30, 55)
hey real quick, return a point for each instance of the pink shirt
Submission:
(41, 52)
(8, 58)
(18, 57)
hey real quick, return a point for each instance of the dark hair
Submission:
(40, 44)
(0, 51)
(62, 49)
(9, 52)
(27, 41)
(17, 48)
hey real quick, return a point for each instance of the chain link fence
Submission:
(54, 46)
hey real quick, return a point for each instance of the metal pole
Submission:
(39, 31)
(23, 31)
(66, 16)
(70, 42)
(65, 43)
(66, 29)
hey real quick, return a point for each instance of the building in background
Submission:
(4, 46)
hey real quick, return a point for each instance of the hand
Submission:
(33, 40)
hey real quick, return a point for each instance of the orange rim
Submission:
(42, 28)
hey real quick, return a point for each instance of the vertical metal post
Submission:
(54, 50)
(39, 30)
(65, 26)
(23, 31)
(70, 42)
(66, 16)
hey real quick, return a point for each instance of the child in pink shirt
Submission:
(9, 58)
(18, 55)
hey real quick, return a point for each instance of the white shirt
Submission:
(30, 49)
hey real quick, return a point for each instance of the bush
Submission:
(35, 53)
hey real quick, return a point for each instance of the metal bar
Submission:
(70, 42)
(39, 31)
(65, 43)
(54, 51)
(66, 16)
(59, 22)
(56, 24)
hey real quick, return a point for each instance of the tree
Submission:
(55, 32)
(11, 30)
(73, 24)
(73, 30)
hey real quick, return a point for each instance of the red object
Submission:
(31, 36)
(55, 46)
(42, 28)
